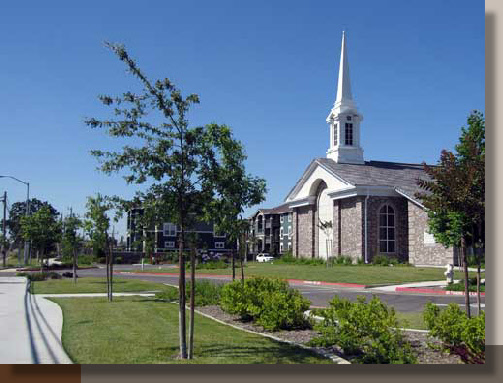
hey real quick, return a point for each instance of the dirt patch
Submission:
(419, 341)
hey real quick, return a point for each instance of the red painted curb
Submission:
(294, 281)
(432, 291)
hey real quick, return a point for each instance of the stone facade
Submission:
(304, 231)
(351, 227)
(399, 205)
(421, 253)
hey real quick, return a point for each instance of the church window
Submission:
(335, 134)
(348, 118)
(349, 134)
(387, 229)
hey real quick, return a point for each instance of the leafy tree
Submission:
(71, 240)
(455, 193)
(180, 163)
(235, 191)
(17, 211)
(96, 226)
(42, 229)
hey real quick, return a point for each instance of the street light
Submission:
(26, 243)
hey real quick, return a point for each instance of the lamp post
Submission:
(26, 243)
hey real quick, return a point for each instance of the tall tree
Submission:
(455, 193)
(176, 160)
(42, 229)
(17, 211)
(96, 226)
(71, 241)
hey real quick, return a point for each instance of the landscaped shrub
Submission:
(381, 260)
(460, 286)
(269, 302)
(369, 332)
(207, 293)
(40, 276)
(343, 260)
(289, 259)
(360, 261)
(84, 259)
(459, 334)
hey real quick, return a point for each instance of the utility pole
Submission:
(4, 251)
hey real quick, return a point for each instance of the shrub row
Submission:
(40, 276)
(207, 293)
(459, 334)
(269, 302)
(367, 332)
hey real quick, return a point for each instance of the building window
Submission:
(219, 235)
(219, 245)
(169, 244)
(387, 229)
(289, 231)
(349, 134)
(281, 247)
(348, 118)
(169, 229)
(289, 245)
(281, 218)
(289, 217)
(281, 232)
(335, 134)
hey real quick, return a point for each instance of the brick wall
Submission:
(352, 227)
(419, 252)
(399, 205)
(305, 240)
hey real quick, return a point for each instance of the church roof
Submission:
(402, 177)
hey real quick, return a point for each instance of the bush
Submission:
(211, 265)
(84, 260)
(360, 261)
(40, 276)
(460, 286)
(118, 260)
(269, 302)
(367, 331)
(287, 258)
(342, 260)
(459, 334)
(381, 260)
(207, 293)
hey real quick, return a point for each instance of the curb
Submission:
(432, 291)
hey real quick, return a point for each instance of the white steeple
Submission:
(344, 96)
(344, 119)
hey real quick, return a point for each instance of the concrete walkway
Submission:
(30, 326)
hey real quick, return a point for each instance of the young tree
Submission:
(42, 229)
(455, 193)
(71, 240)
(96, 226)
(177, 161)
(235, 190)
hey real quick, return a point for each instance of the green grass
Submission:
(93, 285)
(412, 320)
(360, 274)
(136, 330)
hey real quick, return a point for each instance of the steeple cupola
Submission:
(344, 119)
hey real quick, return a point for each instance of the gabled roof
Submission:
(283, 208)
(402, 177)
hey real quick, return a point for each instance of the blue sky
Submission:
(268, 69)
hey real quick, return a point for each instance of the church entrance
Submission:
(325, 222)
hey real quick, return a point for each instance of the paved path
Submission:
(30, 330)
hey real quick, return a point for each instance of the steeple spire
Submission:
(344, 96)
(344, 119)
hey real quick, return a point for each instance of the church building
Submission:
(344, 205)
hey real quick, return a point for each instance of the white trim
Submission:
(410, 198)
(169, 244)
(302, 202)
(219, 245)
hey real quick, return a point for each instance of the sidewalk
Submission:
(429, 287)
(30, 331)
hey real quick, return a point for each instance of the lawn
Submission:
(412, 320)
(360, 274)
(137, 330)
(92, 285)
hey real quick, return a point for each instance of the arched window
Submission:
(387, 229)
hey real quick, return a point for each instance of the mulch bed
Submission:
(418, 340)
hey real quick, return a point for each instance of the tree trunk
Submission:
(192, 300)
(107, 262)
(41, 259)
(74, 266)
(111, 271)
(233, 265)
(465, 267)
(478, 288)
(181, 296)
